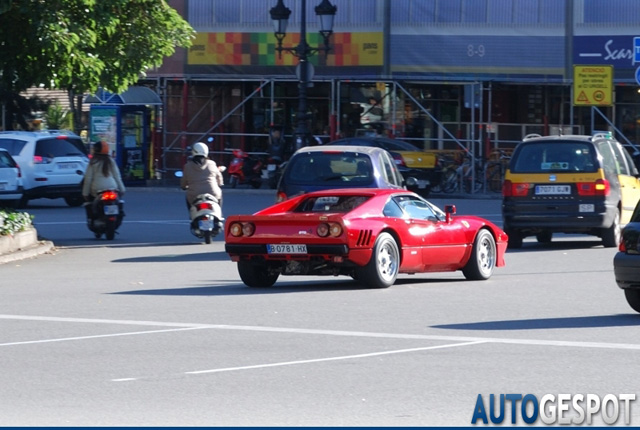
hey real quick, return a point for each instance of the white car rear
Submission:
(10, 180)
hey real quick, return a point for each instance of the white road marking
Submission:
(513, 341)
(64, 339)
(318, 360)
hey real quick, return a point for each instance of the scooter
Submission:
(206, 217)
(205, 213)
(105, 213)
(245, 169)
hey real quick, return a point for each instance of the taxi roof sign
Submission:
(592, 85)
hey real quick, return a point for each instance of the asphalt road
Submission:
(155, 328)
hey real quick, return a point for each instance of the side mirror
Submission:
(178, 174)
(449, 210)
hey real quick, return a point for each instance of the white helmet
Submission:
(200, 149)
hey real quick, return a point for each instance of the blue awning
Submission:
(132, 96)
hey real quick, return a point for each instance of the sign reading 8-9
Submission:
(473, 50)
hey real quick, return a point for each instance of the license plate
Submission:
(552, 189)
(423, 183)
(3, 186)
(287, 249)
(111, 210)
(586, 208)
(67, 165)
(271, 167)
(205, 224)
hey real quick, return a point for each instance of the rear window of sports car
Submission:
(341, 204)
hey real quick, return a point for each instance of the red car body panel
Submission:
(425, 245)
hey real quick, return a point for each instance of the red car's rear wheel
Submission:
(382, 270)
(257, 276)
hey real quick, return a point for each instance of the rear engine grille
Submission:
(364, 238)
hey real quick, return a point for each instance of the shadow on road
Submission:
(550, 323)
(234, 288)
(557, 245)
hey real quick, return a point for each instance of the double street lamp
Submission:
(280, 16)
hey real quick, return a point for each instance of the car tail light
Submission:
(204, 206)
(19, 170)
(38, 159)
(281, 197)
(109, 195)
(248, 229)
(397, 158)
(600, 187)
(323, 230)
(622, 247)
(235, 229)
(515, 189)
(334, 229)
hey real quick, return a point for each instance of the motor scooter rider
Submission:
(201, 175)
(102, 174)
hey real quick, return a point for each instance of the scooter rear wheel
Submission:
(110, 232)
(207, 236)
(233, 181)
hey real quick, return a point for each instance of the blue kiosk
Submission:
(124, 121)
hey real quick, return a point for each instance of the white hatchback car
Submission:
(10, 180)
(52, 163)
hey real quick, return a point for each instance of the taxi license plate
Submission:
(271, 167)
(205, 224)
(552, 189)
(287, 249)
(67, 165)
(3, 185)
(111, 210)
(423, 183)
(587, 207)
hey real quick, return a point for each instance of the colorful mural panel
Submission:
(259, 49)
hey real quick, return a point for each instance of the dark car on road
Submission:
(573, 184)
(626, 263)
(315, 168)
(411, 160)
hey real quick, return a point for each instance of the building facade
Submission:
(443, 74)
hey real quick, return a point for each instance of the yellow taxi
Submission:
(569, 184)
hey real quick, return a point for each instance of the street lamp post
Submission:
(280, 16)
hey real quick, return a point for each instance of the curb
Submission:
(22, 245)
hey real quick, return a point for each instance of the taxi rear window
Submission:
(555, 157)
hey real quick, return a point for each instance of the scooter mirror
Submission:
(178, 174)
(210, 139)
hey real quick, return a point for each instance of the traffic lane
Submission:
(541, 300)
(287, 377)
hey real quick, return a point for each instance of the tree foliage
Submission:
(80, 45)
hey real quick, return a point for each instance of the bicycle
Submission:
(495, 169)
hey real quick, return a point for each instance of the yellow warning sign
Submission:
(593, 85)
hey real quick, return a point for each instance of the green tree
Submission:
(81, 45)
(57, 117)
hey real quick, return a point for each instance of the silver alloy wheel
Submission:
(388, 260)
(486, 254)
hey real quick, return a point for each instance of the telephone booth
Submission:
(124, 121)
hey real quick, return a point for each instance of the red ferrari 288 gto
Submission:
(369, 234)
